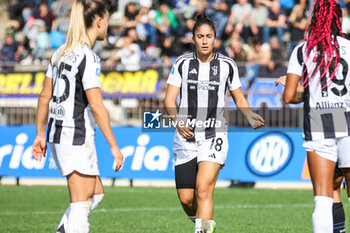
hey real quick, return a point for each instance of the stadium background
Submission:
(131, 85)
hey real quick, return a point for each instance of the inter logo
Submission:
(269, 154)
(151, 120)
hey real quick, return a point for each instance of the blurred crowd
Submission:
(260, 33)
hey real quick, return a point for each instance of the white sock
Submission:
(192, 218)
(202, 225)
(62, 227)
(96, 200)
(349, 199)
(78, 217)
(322, 217)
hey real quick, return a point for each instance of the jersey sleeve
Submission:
(295, 62)
(233, 78)
(174, 76)
(49, 72)
(91, 76)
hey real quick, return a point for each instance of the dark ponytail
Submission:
(202, 19)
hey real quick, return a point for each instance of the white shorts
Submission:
(212, 150)
(334, 149)
(69, 158)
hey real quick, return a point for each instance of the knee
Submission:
(187, 201)
(203, 192)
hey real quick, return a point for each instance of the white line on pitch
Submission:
(103, 210)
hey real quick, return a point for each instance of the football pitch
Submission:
(32, 209)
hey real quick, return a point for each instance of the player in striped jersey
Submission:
(200, 142)
(72, 85)
(338, 209)
(322, 64)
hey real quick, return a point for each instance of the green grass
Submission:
(33, 209)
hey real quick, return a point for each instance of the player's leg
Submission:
(322, 172)
(81, 189)
(212, 155)
(343, 147)
(98, 194)
(185, 179)
(205, 185)
(338, 209)
(188, 202)
(96, 200)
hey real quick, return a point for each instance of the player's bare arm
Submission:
(101, 116)
(254, 119)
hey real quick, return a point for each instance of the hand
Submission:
(228, 29)
(281, 80)
(184, 130)
(118, 157)
(255, 120)
(39, 148)
(109, 62)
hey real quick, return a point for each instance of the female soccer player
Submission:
(338, 209)
(200, 142)
(73, 84)
(322, 64)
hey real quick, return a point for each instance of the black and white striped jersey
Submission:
(326, 102)
(202, 92)
(70, 119)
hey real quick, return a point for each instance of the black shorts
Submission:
(186, 174)
(337, 172)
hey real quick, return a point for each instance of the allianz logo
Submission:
(155, 158)
(269, 154)
(22, 155)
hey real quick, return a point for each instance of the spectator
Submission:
(219, 47)
(132, 33)
(111, 5)
(42, 43)
(276, 21)
(168, 52)
(115, 28)
(278, 54)
(257, 20)
(129, 54)
(131, 15)
(165, 23)
(47, 16)
(23, 47)
(16, 19)
(10, 51)
(186, 41)
(201, 7)
(297, 21)
(235, 50)
(144, 28)
(30, 30)
(61, 8)
(220, 16)
(258, 55)
(346, 20)
(239, 19)
(287, 5)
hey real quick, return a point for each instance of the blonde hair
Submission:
(82, 15)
